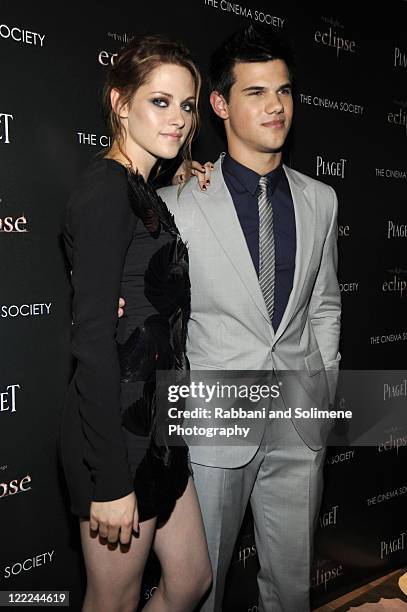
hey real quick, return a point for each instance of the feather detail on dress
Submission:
(148, 205)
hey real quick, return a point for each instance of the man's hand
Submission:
(120, 311)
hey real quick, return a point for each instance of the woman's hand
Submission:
(120, 310)
(115, 520)
(202, 172)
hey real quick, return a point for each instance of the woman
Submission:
(121, 240)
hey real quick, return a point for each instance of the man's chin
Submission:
(272, 148)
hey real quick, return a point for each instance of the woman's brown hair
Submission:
(131, 69)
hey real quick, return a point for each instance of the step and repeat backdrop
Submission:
(350, 131)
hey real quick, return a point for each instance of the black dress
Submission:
(121, 240)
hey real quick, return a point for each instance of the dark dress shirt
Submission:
(243, 186)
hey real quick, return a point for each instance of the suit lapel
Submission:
(304, 207)
(219, 211)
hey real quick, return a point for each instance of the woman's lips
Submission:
(173, 135)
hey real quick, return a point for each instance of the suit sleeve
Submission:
(101, 227)
(325, 305)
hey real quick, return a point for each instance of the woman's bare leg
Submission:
(114, 574)
(181, 547)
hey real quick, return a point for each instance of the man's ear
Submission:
(119, 108)
(219, 105)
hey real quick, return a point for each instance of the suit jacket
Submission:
(230, 328)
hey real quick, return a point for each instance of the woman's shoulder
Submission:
(103, 185)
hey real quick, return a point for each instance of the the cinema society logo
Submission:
(15, 486)
(396, 230)
(326, 167)
(26, 565)
(244, 11)
(25, 310)
(399, 58)
(389, 173)
(330, 35)
(389, 547)
(343, 106)
(386, 496)
(348, 287)
(8, 401)
(386, 338)
(86, 138)
(341, 457)
(5, 125)
(21, 36)
(397, 283)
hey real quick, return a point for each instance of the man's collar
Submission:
(249, 179)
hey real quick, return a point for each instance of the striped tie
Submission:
(266, 247)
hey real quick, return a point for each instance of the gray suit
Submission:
(280, 472)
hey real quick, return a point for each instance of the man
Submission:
(265, 296)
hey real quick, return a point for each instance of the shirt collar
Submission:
(249, 179)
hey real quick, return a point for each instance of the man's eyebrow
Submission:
(263, 88)
(254, 88)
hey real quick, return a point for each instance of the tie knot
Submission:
(263, 184)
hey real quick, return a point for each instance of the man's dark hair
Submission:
(250, 44)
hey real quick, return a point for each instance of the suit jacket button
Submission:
(273, 348)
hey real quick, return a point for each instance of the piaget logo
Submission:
(388, 547)
(8, 399)
(5, 124)
(326, 167)
(330, 517)
(396, 230)
(399, 58)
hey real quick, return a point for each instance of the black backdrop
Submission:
(350, 131)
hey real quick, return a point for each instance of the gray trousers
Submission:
(283, 483)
